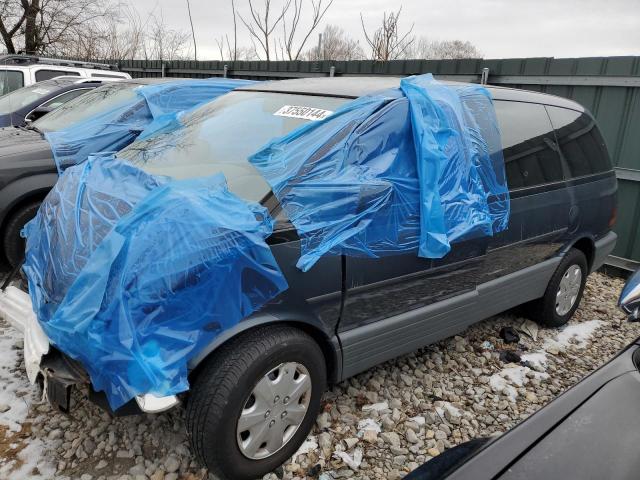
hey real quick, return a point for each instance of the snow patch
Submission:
(579, 334)
(537, 359)
(31, 459)
(16, 393)
(506, 380)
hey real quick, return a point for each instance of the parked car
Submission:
(17, 71)
(629, 300)
(256, 389)
(27, 167)
(557, 442)
(30, 103)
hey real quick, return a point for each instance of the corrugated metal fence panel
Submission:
(608, 86)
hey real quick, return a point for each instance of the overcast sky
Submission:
(499, 28)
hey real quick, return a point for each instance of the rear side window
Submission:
(530, 151)
(10, 80)
(64, 98)
(46, 74)
(581, 143)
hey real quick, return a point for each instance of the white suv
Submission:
(18, 71)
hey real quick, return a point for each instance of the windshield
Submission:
(92, 103)
(221, 135)
(22, 97)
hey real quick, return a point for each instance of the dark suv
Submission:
(255, 391)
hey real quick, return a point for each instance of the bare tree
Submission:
(290, 26)
(428, 49)
(261, 27)
(164, 43)
(116, 37)
(40, 26)
(336, 45)
(235, 32)
(12, 17)
(387, 42)
(193, 33)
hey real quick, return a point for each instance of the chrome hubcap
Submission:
(274, 410)
(568, 291)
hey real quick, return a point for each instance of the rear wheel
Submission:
(13, 243)
(564, 292)
(254, 401)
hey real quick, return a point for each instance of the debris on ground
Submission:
(509, 335)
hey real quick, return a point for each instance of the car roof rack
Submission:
(15, 59)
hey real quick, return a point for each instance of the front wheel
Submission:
(254, 401)
(564, 292)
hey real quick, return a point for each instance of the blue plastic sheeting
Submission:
(463, 187)
(410, 169)
(155, 108)
(133, 274)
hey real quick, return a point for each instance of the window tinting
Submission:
(10, 80)
(580, 142)
(48, 74)
(530, 151)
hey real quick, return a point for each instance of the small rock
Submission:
(350, 442)
(392, 438)
(370, 436)
(411, 436)
(171, 464)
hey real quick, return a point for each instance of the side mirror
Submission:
(36, 113)
(629, 300)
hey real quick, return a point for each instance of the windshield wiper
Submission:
(34, 128)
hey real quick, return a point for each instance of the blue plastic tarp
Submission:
(155, 108)
(414, 168)
(132, 274)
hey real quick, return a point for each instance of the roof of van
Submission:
(357, 86)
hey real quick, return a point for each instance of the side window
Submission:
(528, 142)
(64, 98)
(581, 143)
(46, 74)
(10, 80)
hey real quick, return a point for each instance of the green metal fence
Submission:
(608, 86)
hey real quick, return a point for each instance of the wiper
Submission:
(34, 128)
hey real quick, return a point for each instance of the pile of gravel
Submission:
(380, 424)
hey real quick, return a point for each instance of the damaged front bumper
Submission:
(56, 371)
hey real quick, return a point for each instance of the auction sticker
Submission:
(306, 113)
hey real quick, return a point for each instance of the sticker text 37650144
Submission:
(306, 113)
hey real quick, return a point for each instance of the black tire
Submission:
(13, 242)
(225, 381)
(544, 309)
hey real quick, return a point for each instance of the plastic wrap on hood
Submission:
(155, 108)
(405, 169)
(174, 264)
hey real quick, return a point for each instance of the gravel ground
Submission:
(379, 425)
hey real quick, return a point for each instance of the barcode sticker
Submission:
(306, 113)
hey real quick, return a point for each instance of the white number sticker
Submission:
(40, 91)
(306, 113)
